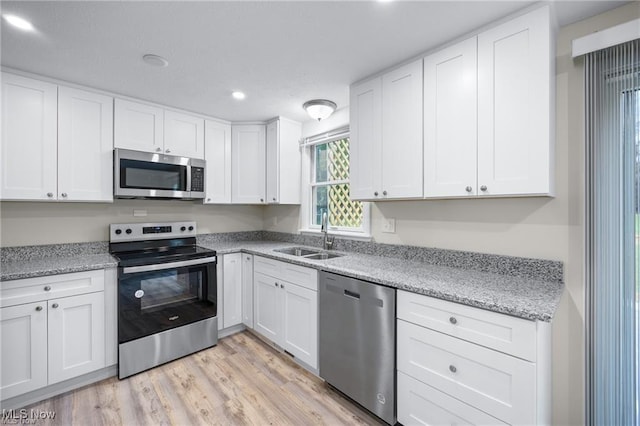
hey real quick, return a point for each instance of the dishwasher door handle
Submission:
(352, 294)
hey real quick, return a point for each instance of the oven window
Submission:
(148, 175)
(154, 301)
(164, 289)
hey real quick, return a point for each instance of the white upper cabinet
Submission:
(57, 142)
(515, 133)
(450, 121)
(402, 132)
(183, 135)
(29, 138)
(218, 156)
(138, 126)
(365, 142)
(150, 128)
(283, 161)
(85, 146)
(248, 151)
(386, 135)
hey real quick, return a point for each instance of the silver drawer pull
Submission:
(55, 305)
(38, 308)
(47, 288)
(453, 320)
(453, 368)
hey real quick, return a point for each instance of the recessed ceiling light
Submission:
(18, 22)
(155, 60)
(238, 95)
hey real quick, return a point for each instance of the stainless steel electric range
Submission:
(167, 303)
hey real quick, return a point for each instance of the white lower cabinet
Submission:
(232, 289)
(247, 290)
(421, 404)
(53, 329)
(462, 365)
(286, 307)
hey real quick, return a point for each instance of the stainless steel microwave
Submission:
(147, 175)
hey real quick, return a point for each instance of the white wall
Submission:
(531, 227)
(24, 223)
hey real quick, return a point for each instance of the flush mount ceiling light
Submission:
(18, 22)
(155, 60)
(238, 95)
(319, 109)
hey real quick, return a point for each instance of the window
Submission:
(329, 189)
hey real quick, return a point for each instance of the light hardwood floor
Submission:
(241, 381)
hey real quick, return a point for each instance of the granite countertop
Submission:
(521, 297)
(524, 297)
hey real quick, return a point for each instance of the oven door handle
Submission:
(170, 265)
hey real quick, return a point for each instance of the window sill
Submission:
(360, 236)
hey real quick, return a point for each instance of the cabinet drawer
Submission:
(420, 404)
(501, 332)
(53, 286)
(266, 266)
(300, 275)
(305, 277)
(498, 384)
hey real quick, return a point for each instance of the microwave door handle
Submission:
(188, 188)
(170, 265)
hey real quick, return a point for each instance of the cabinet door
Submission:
(450, 121)
(514, 89)
(248, 158)
(218, 155)
(76, 336)
(29, 138)
(247, 290)
(420, 404)
(365, 143)
(402, 172)
(273, 163)
(232, 291)
(138, 126)
(23, 334)
(85, 146)
(267, 316)
(300, 328)
(183, 135)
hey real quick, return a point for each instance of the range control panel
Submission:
(119, 232)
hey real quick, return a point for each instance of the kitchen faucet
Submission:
(327, 241)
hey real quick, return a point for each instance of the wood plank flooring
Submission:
(241, 381)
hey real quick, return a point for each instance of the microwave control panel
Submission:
(197, 179)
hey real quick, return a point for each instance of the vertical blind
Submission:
(612, 88)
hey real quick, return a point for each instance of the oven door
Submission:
(159, 297)
(146, 175)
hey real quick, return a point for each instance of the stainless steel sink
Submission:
(297, 251)
(310, 254)
(323, 256)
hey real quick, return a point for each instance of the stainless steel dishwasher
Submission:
(357, 341)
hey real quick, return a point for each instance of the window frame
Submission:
(309, 183)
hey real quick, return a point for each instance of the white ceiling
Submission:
(280, 54)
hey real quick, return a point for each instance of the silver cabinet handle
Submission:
(38, 308)
(483, 188)
(47, 288)
(384, 192)
(468, 189)
(453, 320)
(64, 195)
(281, 285)
(276, 284)
(262, 200)
(248, 257)
(375, 193)
(452, 368)
(158, 150)
(208, 199)
(168, 151)
(274, 198)
(49, 194)
(55, 305)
